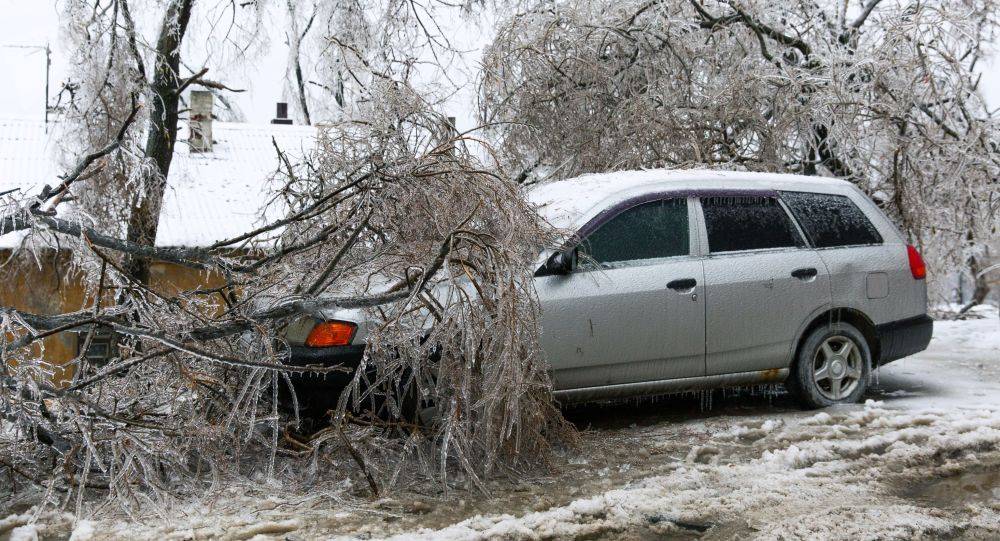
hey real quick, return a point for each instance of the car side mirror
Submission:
(562, 262)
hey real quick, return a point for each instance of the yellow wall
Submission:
(50, 286)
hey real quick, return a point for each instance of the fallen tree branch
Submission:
(208, 83)
(196, 258)
(85, 162)
(360, 461)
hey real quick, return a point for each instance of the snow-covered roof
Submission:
(26, 164)
(220, 194)
(26, 161)
(567, 203)
(210, 196)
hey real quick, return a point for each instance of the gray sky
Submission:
(35, 22)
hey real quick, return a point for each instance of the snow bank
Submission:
(33, 525)
(799, 475)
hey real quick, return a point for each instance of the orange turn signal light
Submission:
(331, 333)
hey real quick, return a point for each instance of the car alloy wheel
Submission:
(837, 367)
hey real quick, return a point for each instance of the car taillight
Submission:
(331, 333)
(917, 266)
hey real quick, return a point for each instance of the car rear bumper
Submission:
(348, 357)
(898, 339)
(317, 394)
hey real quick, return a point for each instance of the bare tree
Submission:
(121, 73)
(461, 333)
(389, 216)
(337, 50)
(161, 130)
(297, 33)
(882, 93)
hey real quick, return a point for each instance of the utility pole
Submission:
(48, 68)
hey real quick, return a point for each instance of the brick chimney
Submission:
(281, 115)
(200, 121)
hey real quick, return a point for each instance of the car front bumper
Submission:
(898, 339)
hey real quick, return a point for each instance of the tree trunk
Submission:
(981, 286)
(295, 38)
(161, 134)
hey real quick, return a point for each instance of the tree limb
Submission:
(865, 12)
(86, 161)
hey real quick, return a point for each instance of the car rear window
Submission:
(831, 220)
(737, 223)
(647, 231)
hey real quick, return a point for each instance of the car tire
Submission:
(831, 367)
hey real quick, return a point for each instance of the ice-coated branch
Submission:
(24, 219)
(801, 88)
(67, 181)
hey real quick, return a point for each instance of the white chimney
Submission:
(200, 121)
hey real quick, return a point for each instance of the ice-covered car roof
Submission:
(568, 203)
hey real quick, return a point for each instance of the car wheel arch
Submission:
(852, 316)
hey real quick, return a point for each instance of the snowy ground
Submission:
(920, 459)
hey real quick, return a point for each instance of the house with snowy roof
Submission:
(218, 188)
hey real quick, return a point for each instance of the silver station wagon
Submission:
(683, 280)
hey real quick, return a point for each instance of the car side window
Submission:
(647, 231)
(737, 223)
(831, 220)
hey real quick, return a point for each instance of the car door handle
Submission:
(805, 274)
(682, 284)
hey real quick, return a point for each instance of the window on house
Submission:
(102, 348)
(737, 223)
(831, 220)
(647, 231)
